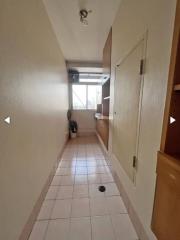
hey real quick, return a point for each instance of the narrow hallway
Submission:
(74, 208)
(89, 120)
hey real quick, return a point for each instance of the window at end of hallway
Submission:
(86, 96)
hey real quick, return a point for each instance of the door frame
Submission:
(144, 39)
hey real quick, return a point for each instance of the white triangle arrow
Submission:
(7, 120)
(172, 120)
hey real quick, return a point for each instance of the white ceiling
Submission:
(78, 42)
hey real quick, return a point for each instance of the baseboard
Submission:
(131, 211)
(33, 216)
(103, 147)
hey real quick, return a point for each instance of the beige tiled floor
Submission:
(74, 209)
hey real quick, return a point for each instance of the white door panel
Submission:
(128, 87)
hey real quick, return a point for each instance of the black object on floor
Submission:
(102, 188)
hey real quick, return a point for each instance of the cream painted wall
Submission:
(33, 92)
(132, 21)
(86, 121)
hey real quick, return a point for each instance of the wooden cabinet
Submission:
(107, 55)
(103, 130)
(166, 217)
(102, 124)
(172, 139)
(166, 212)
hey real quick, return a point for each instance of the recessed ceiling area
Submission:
(79, 42)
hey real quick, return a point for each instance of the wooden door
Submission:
(127, 98)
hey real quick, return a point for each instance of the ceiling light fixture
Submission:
(83, 16)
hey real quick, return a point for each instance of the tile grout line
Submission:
(89, 200)
(93, 155)
(90, 211)
(45, 234)
(68, 234)
(98, 215)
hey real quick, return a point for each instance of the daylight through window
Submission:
(86, 96)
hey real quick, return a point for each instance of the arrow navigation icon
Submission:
(7, 120)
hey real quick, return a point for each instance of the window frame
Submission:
(84, 84)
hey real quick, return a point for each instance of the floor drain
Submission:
(102, 188)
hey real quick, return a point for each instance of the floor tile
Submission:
(102, 228)
(56, 181)
(65, 171)
(72, 163)
(80, 229)
(98, 206)
(81, 163)
(93, 170)
(63, 164)
(94, 191)
(74, 208)
(115, 205)
(67, 162)
(81, 179)
(108, 162)
(46, 210)
(103, 169)
(80, 207)
(57, 230)
(90, 154)
(81, 158)
(69, 158)
(123, 227)
(111, 169)
(81, 170)
(62, 209)
(61, 171)
(65, 192)
(106, 178)
(80, 191)
(39, 230)
(99, 156)
(94, 178)
(92, 158)
(67, 180)
(111, 189)
(52, 193)
(101, 162)
(92, 164)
